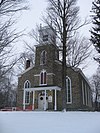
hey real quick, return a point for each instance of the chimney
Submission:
(27, 64)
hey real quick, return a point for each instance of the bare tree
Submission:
(63, 16)
(78, 50)
(8, 7)
(95, 82)
(21, 64)
(27, 54)
(7, 91)
(8, 35)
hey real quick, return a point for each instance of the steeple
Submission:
(47, 35)
(46, 51)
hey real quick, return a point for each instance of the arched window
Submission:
(69, 90)
(27, 84)
(43, 57)
(43, 78)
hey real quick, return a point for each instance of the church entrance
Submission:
(42, 101)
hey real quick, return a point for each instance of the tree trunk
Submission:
(64, 79)
(64, 62)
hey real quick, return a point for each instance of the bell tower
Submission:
(46, 51)
(47, 35)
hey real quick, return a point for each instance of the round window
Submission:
(41, 98)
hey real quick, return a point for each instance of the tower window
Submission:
(69, 91)
(43, 78)
(43, 57)
(45, 38)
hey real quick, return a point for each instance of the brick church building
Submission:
(40, 86)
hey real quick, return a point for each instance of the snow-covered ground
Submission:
(49, 122)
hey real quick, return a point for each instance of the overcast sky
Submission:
(30, 18)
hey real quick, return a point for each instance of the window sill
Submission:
(69, 102)
(42, 84)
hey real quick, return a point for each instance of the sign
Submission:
(50, 99)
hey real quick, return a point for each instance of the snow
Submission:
(49, 122)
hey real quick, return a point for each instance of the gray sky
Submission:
(30, 18)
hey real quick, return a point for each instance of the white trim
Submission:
(42, 84)
(37, 75)
(43, 88)
(50, 74)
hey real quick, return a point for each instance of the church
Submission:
(40, 86)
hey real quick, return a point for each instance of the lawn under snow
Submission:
(49, 122)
